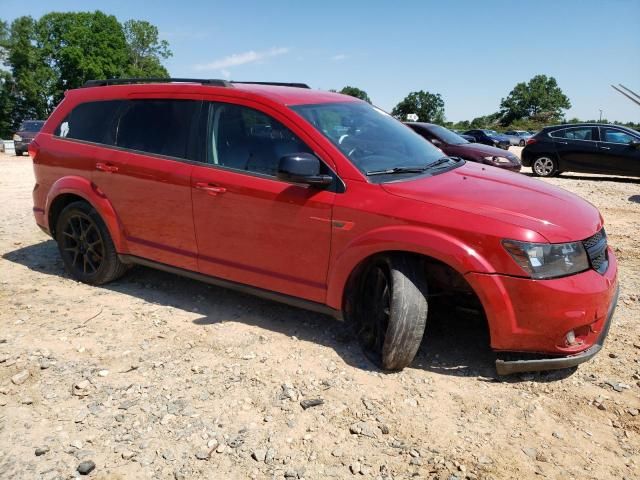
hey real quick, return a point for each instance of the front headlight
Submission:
(17, 138)
(548, 260)
(498, 160)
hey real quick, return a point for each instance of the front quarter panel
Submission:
(367, 220)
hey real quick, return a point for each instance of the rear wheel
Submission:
(391, 310)
(86, 247)
(522, 143)
(19, 153)
(544, 167)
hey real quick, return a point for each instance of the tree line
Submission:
(529, 106)
(42, 58)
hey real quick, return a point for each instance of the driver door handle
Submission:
(210, 188)
(106, 167)
(605, 148)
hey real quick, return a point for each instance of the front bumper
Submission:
(534, 317)
(507, 367)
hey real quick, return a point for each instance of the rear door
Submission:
(577, 148)
(148, 178)
(617, 151)
(251, 227)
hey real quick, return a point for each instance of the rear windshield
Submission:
(31, 126)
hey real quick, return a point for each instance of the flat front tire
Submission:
(85, 245)
(544, 167)
(392, 310)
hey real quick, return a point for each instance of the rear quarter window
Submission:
(157, 126)
(91, 122)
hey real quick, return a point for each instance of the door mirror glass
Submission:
(302, 168)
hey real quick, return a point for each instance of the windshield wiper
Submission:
(391, 171)
(440, 162)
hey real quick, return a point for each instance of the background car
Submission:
(468, 138)
(489, 137)
(586, 147)
(518, 137)
(454, 145)
(27, 132)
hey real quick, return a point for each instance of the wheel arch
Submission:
(67, 190)
(427, 243)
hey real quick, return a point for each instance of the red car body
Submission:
(305, 243)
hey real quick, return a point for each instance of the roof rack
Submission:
(213, 82)
(127, 81)
(278, 84)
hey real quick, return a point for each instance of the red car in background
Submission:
(454, 145)
(325, 202)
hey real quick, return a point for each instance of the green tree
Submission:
(540, 99)
(485, 121)
(81, 46)
(356, 92)
(61, 51)
(428, 106)
(31, 77)
(146, 50)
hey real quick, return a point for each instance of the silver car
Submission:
(518, 137)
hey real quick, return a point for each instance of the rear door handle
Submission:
(605, 148)
(105, 167)
(563, 143)
(210, 188)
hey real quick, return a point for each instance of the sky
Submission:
(472, 53)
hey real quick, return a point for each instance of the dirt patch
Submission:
(156, 376)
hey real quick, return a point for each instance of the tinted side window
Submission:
(613, 135)
(157, 126)
(246, 139)
(91, 122)
(585, 133)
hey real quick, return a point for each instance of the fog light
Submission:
(571, 338)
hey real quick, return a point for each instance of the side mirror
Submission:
(436, 142)
(635, 144)
(302, 168)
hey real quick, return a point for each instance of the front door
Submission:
(251, 227)
(618, 152)
(577, 148)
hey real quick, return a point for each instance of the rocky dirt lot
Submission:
(156, 376)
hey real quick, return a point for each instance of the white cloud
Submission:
(240, 59)
(339, 57)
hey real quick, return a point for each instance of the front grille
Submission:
(596, 247)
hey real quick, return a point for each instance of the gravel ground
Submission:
(156, 376)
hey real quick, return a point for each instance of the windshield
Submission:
(372, 139)
(31, 126)
(490, 133)
(447, 136)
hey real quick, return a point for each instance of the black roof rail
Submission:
(128, 81)
(278, 84)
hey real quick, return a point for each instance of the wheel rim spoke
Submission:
(82, 244)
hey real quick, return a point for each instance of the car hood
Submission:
(554, 213)
(479, 150)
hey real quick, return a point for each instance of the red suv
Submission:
(325, 202)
